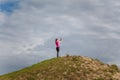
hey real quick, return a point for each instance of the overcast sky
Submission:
(28, 29)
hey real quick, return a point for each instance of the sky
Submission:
(28, 29)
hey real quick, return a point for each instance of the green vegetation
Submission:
(114, 67)
(99, 79)
(66, 68)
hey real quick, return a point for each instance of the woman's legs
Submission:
(57, 49)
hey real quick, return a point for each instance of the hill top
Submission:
(67, 68)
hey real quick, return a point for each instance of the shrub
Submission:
(30, 78)
(99, 79)
(114, 67)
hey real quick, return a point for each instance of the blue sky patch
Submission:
(9, 6)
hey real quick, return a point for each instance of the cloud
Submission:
(2, 18)
(88, 28)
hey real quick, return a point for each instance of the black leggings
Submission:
(57, 49)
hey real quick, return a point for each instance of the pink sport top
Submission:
(57, 43)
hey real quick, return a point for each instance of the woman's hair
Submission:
(56, 39)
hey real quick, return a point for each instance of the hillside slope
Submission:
(67, 68)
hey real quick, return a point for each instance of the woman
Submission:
(57, 43)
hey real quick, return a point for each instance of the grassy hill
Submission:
(67, 68)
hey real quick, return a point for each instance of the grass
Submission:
(64, 68)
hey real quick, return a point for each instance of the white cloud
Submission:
(88, 27)
(2, 18)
